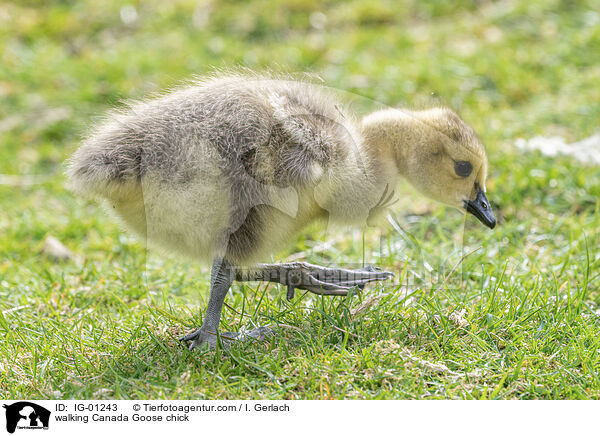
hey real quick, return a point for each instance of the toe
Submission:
(261, 333)
(189, 336)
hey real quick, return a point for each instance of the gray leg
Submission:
(222, 275)
(220, 282)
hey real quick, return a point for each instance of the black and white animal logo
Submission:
(26, 415)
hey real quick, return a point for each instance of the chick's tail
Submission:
(107, 165)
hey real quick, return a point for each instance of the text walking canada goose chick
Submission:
(229, 169)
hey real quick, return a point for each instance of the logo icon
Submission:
(26, 415)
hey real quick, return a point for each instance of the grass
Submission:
(518, 318)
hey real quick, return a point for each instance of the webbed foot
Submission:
(329, 281)
(204, 339)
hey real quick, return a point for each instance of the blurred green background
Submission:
(88, 328)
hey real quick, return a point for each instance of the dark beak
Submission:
(480, 207)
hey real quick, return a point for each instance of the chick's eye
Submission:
(463, 168)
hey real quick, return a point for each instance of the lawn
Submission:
(512, 313)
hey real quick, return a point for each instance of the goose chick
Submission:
(229, 169)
